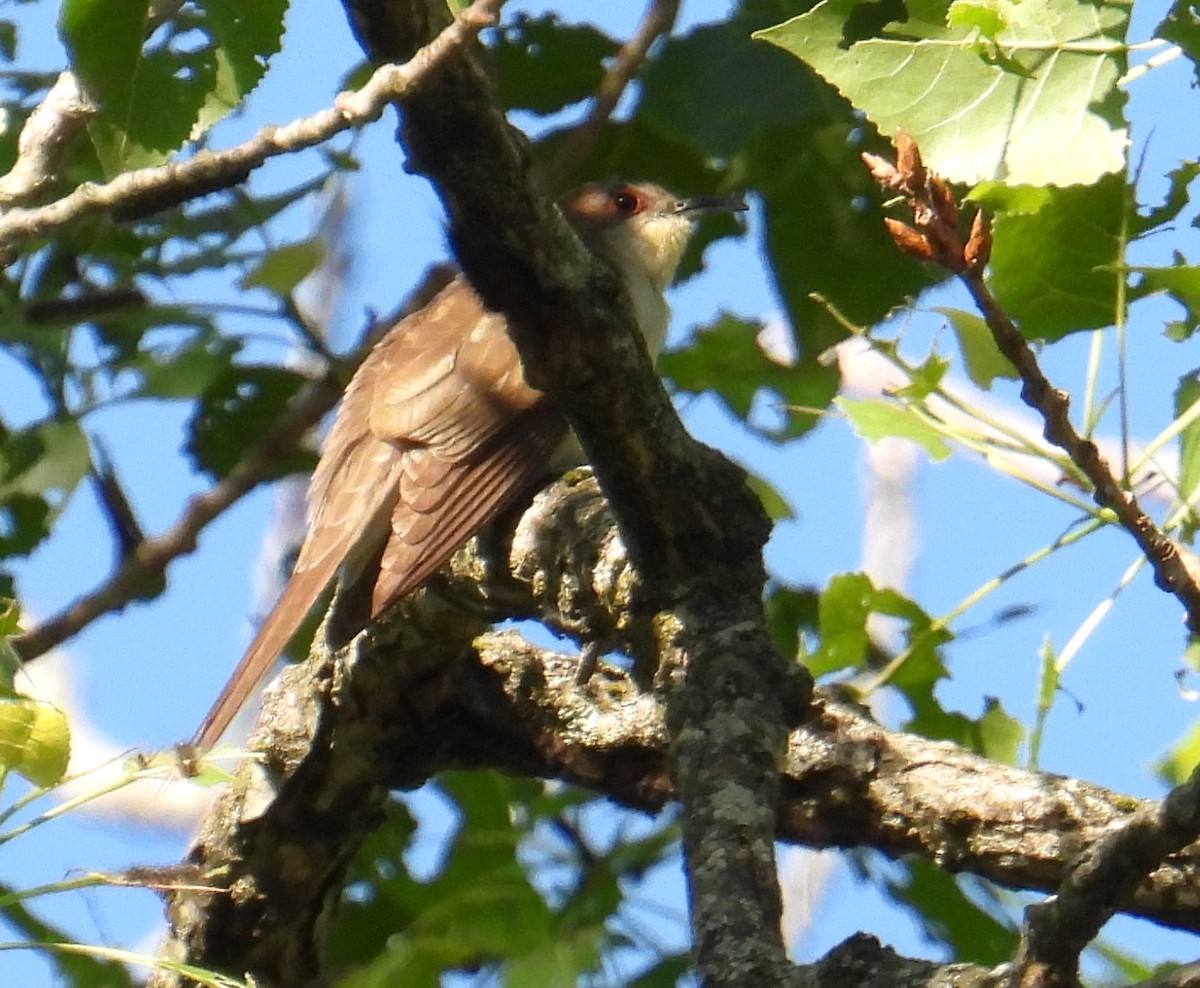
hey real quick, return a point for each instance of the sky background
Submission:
(148, 674)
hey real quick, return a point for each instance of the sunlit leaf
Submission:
(982, 358)
(1056, 269)
(34, 740)
(1025, 92)
(48, 458)
(1181, 283)
(283, 268)
(875, 419)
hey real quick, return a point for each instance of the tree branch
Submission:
(692, 526)
(657, 21)
(1057, 929)
(427, 690)
(149, 190)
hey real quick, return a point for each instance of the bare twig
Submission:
(150, 189)
(657, 21)
(151, 556)
(47, 135)
(934, 237)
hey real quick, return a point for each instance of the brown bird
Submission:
(438, 430)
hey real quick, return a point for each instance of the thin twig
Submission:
(657, 21)
(148, 190)
(934, 237)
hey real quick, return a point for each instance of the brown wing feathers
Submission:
(436, 434)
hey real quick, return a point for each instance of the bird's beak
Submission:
(702, 205)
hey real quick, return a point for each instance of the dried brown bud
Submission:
(979, 244)
(908, 161)
(882, 170)
(908, 239)
(943, 201)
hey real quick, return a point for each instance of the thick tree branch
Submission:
(686, 514)
(427, 691)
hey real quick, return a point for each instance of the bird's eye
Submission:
(626, 202)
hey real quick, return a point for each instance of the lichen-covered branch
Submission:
(692, 526)
(1057, 929)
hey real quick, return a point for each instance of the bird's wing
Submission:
(444, 502)
(474, 433)
(419, 457)
(453, 384)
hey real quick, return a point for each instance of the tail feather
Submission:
(286, 616)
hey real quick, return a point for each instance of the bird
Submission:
(438, 430)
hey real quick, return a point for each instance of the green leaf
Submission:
(726, 359)
(1025, 92)
(824, 228)
(846, 604)
(149, 98)
(283, 268)
(559, 961)
(1000, 734)
(950, 918)
(233, 413)
(666, 973)
(35, 740)
(48, 458)
(774, 503)
(709, 87)
(1182, 26)
(544, 65)
(875, 419)
(1186, 395)
(185, 371)
(155, 96)
(24, 524)
(244, 38)
(982, 358)
(1057, 270)
(1182, 283)
(790, 611)
(1175, 767)
(1176, 199)
(843, 609)
(924, 379)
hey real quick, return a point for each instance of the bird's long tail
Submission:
(286, 616)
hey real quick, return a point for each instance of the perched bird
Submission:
(438, 430)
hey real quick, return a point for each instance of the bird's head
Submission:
(637, 226)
